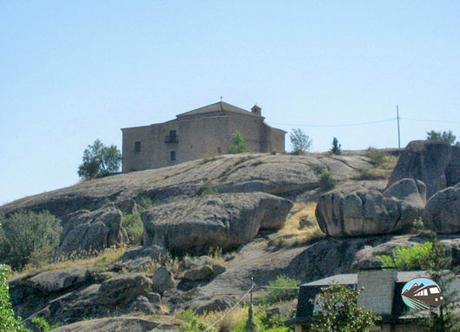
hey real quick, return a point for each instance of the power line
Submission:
(426, 120)
(399, 131)
(332, 126)
(297, 125)
(230, 309)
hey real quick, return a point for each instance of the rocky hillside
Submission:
(259, 209)
(231, 188)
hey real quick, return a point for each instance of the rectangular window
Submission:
(137, 146)
(172, 133)
(172, 155)
(219, 150)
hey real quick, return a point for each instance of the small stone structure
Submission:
(200, 133)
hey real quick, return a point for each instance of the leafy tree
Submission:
(27, 236)
(336, 146)
(300, 141)
(8, 321)
(99, 160)
(238, 143)
(338, 311)
(445, 137)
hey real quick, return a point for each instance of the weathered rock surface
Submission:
(163, 280)
(90, 210)
(124, 289)
(199, 273)
(117, 324)
(59, 280)
(371, 212)
(90, 231)
(437, 164)
(219, 221)
(137, 259)
(210, 304)
(442, 212)
(278, 174)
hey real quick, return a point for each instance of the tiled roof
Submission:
(342, 279)
(217, 107)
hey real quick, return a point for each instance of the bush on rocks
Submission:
(28, 237)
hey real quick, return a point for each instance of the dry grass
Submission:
(231, 319)
(383, 166)
(293, 234)
(100, 261)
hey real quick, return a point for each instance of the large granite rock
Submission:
(163, 280)
(219, 221)
(59, 280)
(442, 212)
(124, 289)
(371, 212)
(437, 164)
(138, 259)
(89, 231)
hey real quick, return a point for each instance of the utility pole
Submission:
(250, 324)
(399, 131)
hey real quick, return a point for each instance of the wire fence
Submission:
(253, 287)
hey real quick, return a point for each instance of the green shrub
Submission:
(281, 289)
(336, 146)
(192, 322)
(208, 189)
(446, 137)
(28, 237)
(377, 157)
(326, 181)
(134, 227)
(238, 143)
(8, 321)
(406, 259)
(262, 323)
(146, 202)
(41, 324)
(369, 173)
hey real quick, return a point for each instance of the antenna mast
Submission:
(399, 131)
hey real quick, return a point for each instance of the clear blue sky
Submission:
(74, 71)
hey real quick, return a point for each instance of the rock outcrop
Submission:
(123, 289)
(139, 258)
(59, 280)
(89, 231)
(219, 221)
(442, 212)
(91, 211)
(163, 280)
(437, 164)
(371, 212)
